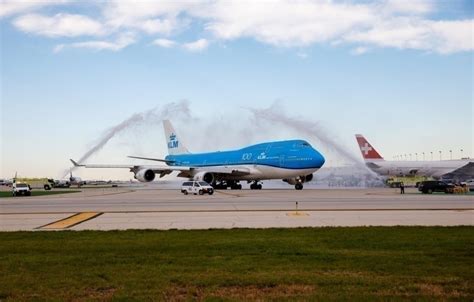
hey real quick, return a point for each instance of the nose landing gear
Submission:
(299, 186)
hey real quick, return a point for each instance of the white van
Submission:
(21, 189)
(196, 187)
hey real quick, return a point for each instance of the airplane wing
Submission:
(164, 170)
(133, 167)
(154, 159)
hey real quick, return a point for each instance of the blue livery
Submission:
(291, 154)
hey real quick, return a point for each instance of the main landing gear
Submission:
(255, 186)
(223, 185)
(299, 186)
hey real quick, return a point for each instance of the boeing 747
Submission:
(293, 161)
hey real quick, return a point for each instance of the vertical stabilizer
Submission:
(174, 143)
(368, 152)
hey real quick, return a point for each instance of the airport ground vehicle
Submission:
(196, 187)
(470, 184)
(430, 186)
(38, 183)
(21, 189)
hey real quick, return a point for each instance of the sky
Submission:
(399, 72)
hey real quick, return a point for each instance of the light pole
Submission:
(423, 156)
(440, 155)
(451, 154)
(416, 156)
(410, 156)
(462, 154)
(431, 155)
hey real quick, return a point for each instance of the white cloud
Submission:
(409, 6)
(359, 51)
(152, 17)
(157, 26)
(12, 7)
(164, 43)
(59, 25)
(284, 22)
(197, 46)
(401, 24)
(121, 42)
(405, 33)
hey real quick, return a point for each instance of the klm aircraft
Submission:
(293, 161)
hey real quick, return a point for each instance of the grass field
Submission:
(349, 264)
(38, 193)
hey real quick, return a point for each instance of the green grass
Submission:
(346, 264)
(38, 193)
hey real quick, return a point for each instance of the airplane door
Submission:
(282, 161)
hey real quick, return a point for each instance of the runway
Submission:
(152, 208)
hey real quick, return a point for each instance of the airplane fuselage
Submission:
(273, 160)
(406, 168)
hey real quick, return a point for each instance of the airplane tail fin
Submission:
(174, 143)
(368, 152)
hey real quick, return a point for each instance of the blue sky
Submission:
(399, 72)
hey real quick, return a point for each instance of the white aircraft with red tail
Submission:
(434, 168)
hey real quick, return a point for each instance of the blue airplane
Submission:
(293, 161)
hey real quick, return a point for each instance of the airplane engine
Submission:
(299, 179)
(145, 175)
(205, 176)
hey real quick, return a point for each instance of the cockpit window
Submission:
(305, 144)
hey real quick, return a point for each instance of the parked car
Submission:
(428, 187)
(196, 187)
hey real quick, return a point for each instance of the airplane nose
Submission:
(318, 159)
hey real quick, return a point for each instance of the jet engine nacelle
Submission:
(299, 179)
(145, 175)
(205, 176)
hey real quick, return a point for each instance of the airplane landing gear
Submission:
(219, 185)
(223, 185)
(255, 186)
(235, 185)
(299, 186)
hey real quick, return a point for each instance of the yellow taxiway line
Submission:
(70, 221)
(297, 214)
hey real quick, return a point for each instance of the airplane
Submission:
(75, 180)
(293, 161)
(6, 182)
(434, 169)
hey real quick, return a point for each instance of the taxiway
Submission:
(151, 208)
